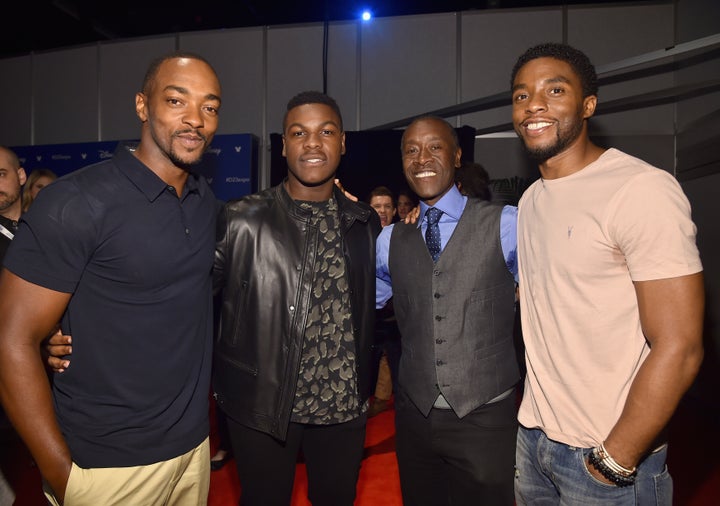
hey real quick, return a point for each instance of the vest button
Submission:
(436, 295)
(436, 272)
(439, 341)
(439, 362)
(438, 318)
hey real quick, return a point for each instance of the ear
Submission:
(141, 106)
(283, 150)
(458, 157)
(342, 144)
(22, 177)
(589, 104)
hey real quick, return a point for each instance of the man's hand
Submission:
(54, 348)
(347, 193)
(412, 217)
(595, 473)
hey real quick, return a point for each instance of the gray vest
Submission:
(456, 316)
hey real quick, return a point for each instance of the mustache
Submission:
(191, 131)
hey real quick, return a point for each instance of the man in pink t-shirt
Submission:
(611, 294)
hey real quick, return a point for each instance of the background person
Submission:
(473, 180)
(381, 199)
(12, 177)
(406, 202)
(36, 181)
(386, 350)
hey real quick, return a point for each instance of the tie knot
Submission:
(433, 215)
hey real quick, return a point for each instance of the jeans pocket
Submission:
(655, 489)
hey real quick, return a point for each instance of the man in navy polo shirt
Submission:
(121, 253)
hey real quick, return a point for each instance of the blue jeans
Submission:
(548, 472)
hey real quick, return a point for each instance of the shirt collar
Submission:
(8, 223)
(451, 204)
(145, 179)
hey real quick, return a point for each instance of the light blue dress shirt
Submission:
(452, 204)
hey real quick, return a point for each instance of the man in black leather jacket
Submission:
(292, 363)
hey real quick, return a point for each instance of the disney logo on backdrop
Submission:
(214, 151)
(104, 153)
(238, 148)
(235, 179)
(61, 157)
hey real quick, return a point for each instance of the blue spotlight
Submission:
(366, 15)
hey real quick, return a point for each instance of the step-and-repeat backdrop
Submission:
(230, 163)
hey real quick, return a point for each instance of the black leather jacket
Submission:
(263, 264)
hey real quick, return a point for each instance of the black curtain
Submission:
(372, 159)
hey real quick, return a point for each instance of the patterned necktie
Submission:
(432, 232)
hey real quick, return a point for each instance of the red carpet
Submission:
(692, 459)
(379, 484)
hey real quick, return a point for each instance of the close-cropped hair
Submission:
(451, 130)
(313, 97)
(14, 160)
(382, 191)
(155, 65)
(577, 60)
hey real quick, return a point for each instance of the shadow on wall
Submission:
(509, 190)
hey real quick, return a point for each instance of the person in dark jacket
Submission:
(292, 364)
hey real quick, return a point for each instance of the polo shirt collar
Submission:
(11, 225)
(145, 179)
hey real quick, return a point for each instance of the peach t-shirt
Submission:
(582, 241)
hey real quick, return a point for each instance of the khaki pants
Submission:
(182, 481)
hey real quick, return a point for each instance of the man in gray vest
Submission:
(452, 279)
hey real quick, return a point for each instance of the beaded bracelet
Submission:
(601, 460)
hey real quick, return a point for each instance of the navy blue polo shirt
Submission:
(138, 262)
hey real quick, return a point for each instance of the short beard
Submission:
(173, 156)
(182, 164)
(8, 199)
(563, 140)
